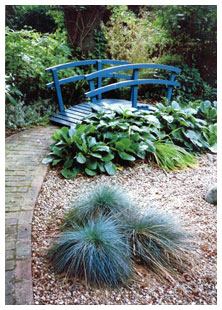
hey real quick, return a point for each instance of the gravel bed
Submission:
(181, 192)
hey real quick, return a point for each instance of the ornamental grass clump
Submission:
(172, 157)
(102, 199)
(96, 252)
(159, 242)
(104, 234)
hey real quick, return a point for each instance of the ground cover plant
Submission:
(169, 135)
(101, 240)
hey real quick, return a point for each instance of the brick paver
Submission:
(24, 174)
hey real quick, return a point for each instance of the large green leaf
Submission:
(205, 105)
(110, 168)
(90, 172)
(64, 134)
(77, 140)
(68, 163)
(168, 118)
(91, 141)
(96, 155)
(56, 161)
(57, 151)
(48, 159)
(123, 144)
(91, 164)
(126, 156)
(80, 158)
(57, 135)
(196, 138)
(70, 174)
(151, 147)
(123, 126)
(107, 157)
(100, 147)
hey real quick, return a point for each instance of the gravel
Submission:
(178, 192)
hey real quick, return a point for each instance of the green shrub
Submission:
(36, 16)
(120, 136)
(134, 38)
(28, 54)
(192, 85)
(104, 140)
(95, 252)
(191, 126)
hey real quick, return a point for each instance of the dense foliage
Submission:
(37, 38)
(101, 238)
(28, 54)
(183, 36)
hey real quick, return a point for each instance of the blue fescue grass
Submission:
(104, 234)
(96, 252)
(102, 199)
(159, 241)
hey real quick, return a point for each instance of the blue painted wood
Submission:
(66, 80)
(86, 63)
(131, 67)
(113, 86)
(170, 88)
(57, 83)
(134, 88)
(58, 90)
(74, 114)
(72, 64)
(99, 82)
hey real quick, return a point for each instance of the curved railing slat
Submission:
(116, 71)
(100, 73)
(114, 86)
(86, 63)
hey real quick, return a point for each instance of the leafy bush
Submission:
(21, 115)
(36, 16)
(96, 252)
(192, 85)
(134, 38)
(102, 248)
(28, 54)
(191, 126)
(18, 114)
(106, 139)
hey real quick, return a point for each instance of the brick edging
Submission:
(23, 180)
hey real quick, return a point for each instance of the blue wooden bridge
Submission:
(118, 70)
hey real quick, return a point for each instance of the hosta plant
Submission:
(108, 139)
(190, 126)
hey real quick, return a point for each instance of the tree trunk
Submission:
(81, 22)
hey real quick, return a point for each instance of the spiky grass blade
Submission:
(159, 241)
(96, 252)
(170, 156)
(102, 199)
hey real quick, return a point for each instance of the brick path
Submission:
(24, 175)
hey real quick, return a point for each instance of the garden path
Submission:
(24, 174)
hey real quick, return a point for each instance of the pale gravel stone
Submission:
(179, 192)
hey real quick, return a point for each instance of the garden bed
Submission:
(179, 192)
